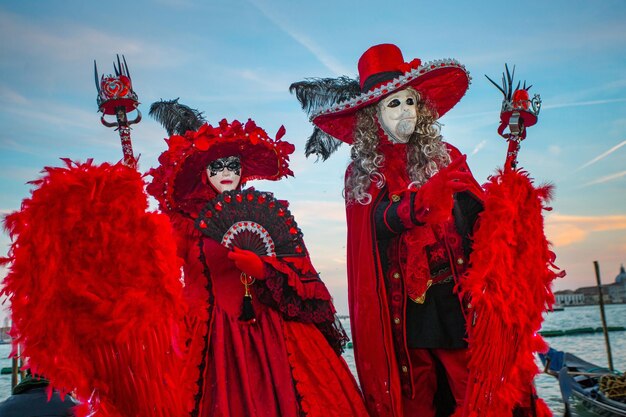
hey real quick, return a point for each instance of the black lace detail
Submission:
(276, 293)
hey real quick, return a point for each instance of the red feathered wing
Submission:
(509, 283)
(95, 292)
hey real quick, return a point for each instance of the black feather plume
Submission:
(507, 83)
(316, 93)
(176, 118)
(321, 144)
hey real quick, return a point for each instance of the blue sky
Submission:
(237, 58)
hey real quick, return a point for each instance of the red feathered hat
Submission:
(181, 175)
(383, 71)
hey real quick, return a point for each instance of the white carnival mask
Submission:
(397, 114)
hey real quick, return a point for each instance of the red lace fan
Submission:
(252, 220)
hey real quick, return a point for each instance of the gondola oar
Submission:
(603, 316)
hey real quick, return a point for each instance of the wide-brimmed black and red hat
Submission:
(181, 174)
(382, 71)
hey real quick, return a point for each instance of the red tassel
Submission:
(247, 312)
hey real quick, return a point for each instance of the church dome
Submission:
(621, 277)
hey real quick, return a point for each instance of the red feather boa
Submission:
(509, 283)
(95, 291)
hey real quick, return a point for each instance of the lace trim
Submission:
(276, 293)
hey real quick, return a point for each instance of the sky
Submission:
(235, 59)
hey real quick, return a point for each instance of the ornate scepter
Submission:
(518, 113)
(511, 276)
(116, 97)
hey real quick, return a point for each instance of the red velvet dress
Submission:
(271, 368)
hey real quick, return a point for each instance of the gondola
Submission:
(599, 390)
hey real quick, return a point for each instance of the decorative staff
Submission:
(117, 270)
(518, 112)
(511, 276)
(116, 97)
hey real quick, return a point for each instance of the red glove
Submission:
(248, 262)
(434, 200)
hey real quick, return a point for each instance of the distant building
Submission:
(621, 278)
(4, 335)
(569, 298)
(618, 290)
(614, 293)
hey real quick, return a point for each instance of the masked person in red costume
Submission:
(277, 353)
(412, 205)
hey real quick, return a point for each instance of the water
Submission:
(590, 347)
(5, 380)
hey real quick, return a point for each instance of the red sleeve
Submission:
(477, 189)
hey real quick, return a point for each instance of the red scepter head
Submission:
(518, 112)
(116, 97)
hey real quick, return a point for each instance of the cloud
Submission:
(327, 262)
(11, 96)
(59, 43)
(604, 179)
(582, 103)
(55, 113)
(618, 127)
(320, 54)
(554, 149)
(19, 176)
(485, 118)
(176, 4)
(563, 230)
(602, 156)
(269, 82)
(478, 147)
(602, 36)
(317, 212)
